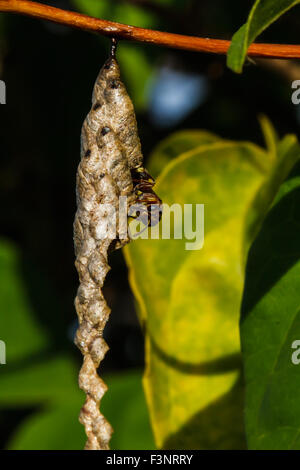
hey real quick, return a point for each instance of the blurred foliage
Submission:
(263, 13)
(18, 322)
(120, 12)
(47, 381)
(49, 71)
(136, 70)
(189, 301)
(56, 425)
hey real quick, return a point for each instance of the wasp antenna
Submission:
(113, 49)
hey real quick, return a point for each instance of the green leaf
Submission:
(19, 329)
(262, 15)
(56, 425)
(271, 323)
(119, 12)
(55, 428)
(133, 15)
(98, 9)
(270, 135)
(125, 408)
(48, 380)
(189, 301)
(34, 378)
(51, 384)
(136, 69)
(283, 158)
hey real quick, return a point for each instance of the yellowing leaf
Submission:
(177, 144)
(189, 301)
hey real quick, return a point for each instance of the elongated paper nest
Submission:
(110, 147)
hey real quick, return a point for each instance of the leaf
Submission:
(270, 135)
(56, 426)
(121, 13)
(271, 322)
(189, 301)
(136, 69)
(177, 144)
(92, 7)
(284, 157)
(134, 15)
(50, 384)
(19, 329)
(49, 380)
(262, 15)
(125, 408)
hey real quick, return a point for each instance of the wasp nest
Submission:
(110, 148)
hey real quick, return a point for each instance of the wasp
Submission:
(148, 204)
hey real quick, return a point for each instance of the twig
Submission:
(133, 33)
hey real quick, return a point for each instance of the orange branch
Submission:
(133, 33)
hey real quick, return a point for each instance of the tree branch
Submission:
(133, 33)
